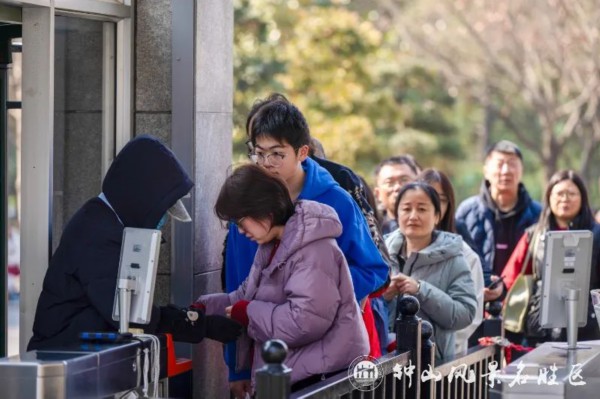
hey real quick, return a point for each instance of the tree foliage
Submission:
(532, 64)
(363, 100)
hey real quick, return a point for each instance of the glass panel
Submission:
(77, 144)
(78, 117)
(14, 200)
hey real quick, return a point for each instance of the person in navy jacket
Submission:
(497, 217)
(142, 186)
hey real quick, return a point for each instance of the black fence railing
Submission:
(409, 373)
(466, 376)
(341, 386)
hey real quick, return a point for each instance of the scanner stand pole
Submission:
(571, 297)
(126, 287)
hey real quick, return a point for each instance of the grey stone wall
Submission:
(210, 136)
(213, 132)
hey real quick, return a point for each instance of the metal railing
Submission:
(340, 385)
(466, 375)
(461, 377)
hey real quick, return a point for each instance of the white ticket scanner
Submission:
(565, 281)
(137, 276)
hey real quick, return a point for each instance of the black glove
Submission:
(222, 329)
(192, 325)
(185, 325)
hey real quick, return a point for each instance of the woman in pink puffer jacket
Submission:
(299, 289)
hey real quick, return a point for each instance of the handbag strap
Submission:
(531, 247)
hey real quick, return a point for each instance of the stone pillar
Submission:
(184, 95)
(213, 126)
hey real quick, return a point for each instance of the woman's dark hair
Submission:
(584, 219)
(426, 188)
(431, 176)
(250, 191)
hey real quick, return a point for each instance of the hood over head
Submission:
(144, 181)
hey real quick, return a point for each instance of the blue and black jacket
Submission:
(480, 215)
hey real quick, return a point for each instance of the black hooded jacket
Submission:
(143, 182)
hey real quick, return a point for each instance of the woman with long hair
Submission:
(566, 207)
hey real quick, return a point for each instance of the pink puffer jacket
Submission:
(304, 297)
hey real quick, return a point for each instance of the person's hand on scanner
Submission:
(192, 325)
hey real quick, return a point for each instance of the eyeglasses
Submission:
(393, 182)
(510, 163)
(274, 159)
(249, 147)
(238, 222)
(566, 194)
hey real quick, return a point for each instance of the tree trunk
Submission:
(551, 151)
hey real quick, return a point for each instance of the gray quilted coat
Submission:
(447, 295)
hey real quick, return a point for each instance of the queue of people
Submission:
(315, 258)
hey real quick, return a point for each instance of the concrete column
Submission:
(213, 145)
(184, 95)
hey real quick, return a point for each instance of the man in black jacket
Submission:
(143, 185)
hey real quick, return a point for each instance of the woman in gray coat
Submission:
(430, 265)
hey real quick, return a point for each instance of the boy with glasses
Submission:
(279, 142)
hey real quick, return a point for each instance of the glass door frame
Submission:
(10, 18)
(38, 18)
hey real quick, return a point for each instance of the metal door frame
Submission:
(38, 18)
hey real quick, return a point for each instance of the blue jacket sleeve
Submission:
(230, 353)
(472, 223)
(239, 254)
(368, 269)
